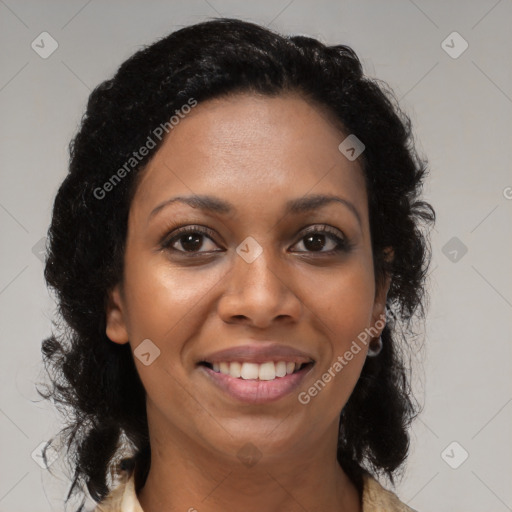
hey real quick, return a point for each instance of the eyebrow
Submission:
(214, 204)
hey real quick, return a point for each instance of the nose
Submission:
(260, 293)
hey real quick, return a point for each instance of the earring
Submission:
(375, 347)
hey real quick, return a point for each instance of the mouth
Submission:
(256, 383)
(265, 371)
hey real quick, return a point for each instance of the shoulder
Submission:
(378, 499)
(122, 498)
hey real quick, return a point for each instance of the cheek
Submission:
(168, 306)
(344, 305)
(344, 302)
(163, 298)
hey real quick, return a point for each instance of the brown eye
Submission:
(315, 242)
(323, 239)
(190, 238)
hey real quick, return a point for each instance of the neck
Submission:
(185, 476)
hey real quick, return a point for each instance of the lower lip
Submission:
(257, 391)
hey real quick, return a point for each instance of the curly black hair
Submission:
(94, 380)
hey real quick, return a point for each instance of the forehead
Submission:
(248, 148)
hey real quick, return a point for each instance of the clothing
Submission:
(375, 498)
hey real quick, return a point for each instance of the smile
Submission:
(256, 383)
(264, 371)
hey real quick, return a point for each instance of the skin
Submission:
(257, 153)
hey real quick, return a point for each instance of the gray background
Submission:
(462, 111)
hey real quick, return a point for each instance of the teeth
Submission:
(265, 371)
(235, 369)
(281, 369)
(249, 371)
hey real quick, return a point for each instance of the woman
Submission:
(240, 218)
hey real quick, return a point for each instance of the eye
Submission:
(190, 238)
(317, 238)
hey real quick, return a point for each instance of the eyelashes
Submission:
(325, 232)
(181, 233)
(189, 235)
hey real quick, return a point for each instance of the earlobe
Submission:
(115, 320)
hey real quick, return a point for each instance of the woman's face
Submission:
(254, 274)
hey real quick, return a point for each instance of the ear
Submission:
(381, 293)
(115, 315)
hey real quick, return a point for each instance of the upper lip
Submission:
(258, 353)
